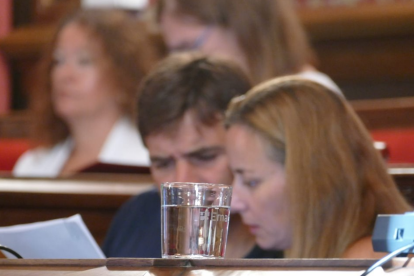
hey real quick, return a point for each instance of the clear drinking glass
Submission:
(194, 219)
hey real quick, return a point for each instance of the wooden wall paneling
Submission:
(365, 21)
(366, 49)
(396, 113)
(5, 28)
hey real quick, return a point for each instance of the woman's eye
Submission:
(85, 61)
(57, 60)
(251, 183)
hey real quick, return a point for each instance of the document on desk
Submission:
(66, 238)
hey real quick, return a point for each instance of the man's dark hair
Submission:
(188, 82)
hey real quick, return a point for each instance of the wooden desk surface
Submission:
(163, 267)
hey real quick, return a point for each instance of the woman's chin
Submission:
(263, 244)
(67, 114)
(270, 245)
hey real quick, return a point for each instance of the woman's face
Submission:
(80, 86)
(258, 188)
(186, 33)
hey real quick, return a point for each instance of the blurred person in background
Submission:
(307, 179)
(264, 37)
(83, 105)
(180, 116)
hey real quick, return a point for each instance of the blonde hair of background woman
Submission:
(268, 31)
(337, 182)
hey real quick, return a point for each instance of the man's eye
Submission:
(207, 157)
(203, 159)
(162, 164)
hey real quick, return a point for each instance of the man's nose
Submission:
(185, 172)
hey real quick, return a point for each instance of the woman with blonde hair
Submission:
(264, 37)
(83, 103)
(307, 177)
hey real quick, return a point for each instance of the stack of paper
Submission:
(67, 238)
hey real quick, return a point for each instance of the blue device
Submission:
(392, 232)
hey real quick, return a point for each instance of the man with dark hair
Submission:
(180, 111)
(181, 106)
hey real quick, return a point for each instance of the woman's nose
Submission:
(64, 72)
(238, 205)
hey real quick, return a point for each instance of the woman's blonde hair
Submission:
(337, 182)
(268, 32)
(128, 49)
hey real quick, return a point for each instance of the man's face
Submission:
(191, 153)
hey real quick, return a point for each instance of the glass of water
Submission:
(194, 219)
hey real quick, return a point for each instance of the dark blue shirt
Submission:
(135, 231)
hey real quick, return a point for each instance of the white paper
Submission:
(67, 238)
(126, 4)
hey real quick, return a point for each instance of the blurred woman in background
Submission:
(84, 99)
(307, 177)
(264, 37)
